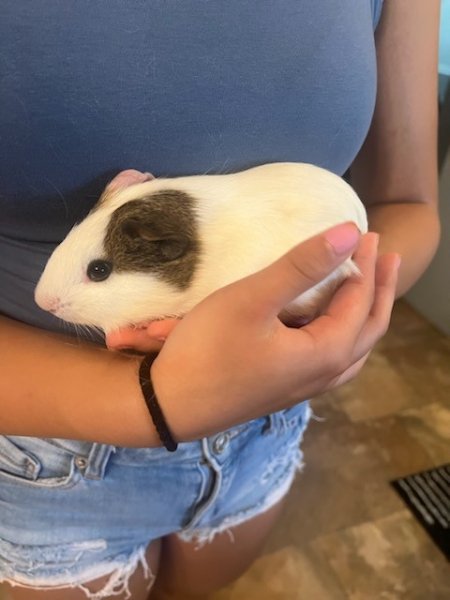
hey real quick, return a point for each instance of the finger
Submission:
(349, 373)
(132, 338)
(386, 278)
(380, 314)
(160, 330)
(346, 344)
(297, 271)
(146, 338)
(359, 288)
(350, 307)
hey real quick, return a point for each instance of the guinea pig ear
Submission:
(135, 229)
(126, 178)
(168, 247)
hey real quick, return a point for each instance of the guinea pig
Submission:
(156, 248)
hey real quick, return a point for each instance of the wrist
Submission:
(152, 403)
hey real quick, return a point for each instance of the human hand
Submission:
(231, 359)
(149, 337)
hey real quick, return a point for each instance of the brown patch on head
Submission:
(156, 234)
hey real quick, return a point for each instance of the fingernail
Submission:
(343, 238)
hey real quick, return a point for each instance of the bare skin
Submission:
(182, 570)
(395, 174)
(187, 571)
(202, 342)
(138, 584)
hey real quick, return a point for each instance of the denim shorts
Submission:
(73, 511)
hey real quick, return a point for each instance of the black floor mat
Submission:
(427, 495)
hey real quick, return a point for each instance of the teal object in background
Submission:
(444, 49)
(444, 52)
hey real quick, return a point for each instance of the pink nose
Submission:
(50, 303)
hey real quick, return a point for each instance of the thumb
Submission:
(302, 267)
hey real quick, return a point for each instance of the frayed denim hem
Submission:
(119, 569)
(292, 460)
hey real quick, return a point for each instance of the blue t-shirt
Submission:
(89, 88)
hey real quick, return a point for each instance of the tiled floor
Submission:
(344, 534)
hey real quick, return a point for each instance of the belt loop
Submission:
(271, 424)
(97, 460)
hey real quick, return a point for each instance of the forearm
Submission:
(53, 386)
(412, 230)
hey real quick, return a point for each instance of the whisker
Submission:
(60, 194)
(98, 330)
(76, 331)
(88, 333)
(221, 171)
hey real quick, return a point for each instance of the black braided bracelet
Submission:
(153, 406)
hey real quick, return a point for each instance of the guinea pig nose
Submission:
(50, 303)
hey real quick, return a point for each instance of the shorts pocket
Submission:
(38, 462)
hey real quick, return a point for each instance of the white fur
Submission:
(246, 221)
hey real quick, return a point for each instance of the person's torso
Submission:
(90, 88)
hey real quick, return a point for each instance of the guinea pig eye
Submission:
(99, 270)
